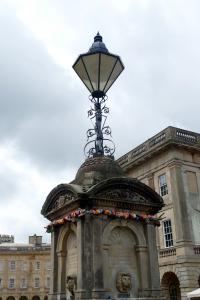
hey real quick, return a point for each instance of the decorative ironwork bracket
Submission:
(95, 136)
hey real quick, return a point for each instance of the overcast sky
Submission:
(43, 104)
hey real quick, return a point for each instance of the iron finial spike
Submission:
(98, 37)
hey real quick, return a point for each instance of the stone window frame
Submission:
(48, 265)
(1, 265)
(11, 283)
(48, 282)
(168, 233)
(24, 265)
(37, 282)
(37, 265)
(12, 265)
(163, 187)
(23, 286)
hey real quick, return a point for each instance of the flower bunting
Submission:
(78, 213)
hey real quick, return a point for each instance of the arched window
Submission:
(23, 298)
(10, 298)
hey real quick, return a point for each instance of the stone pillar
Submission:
(179, 205)
(54, 265)
(61, 275)
(143, 262)
(85, 258)
(80, 246)
(98, 286)
(153, 260)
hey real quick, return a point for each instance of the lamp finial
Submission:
(98, 37)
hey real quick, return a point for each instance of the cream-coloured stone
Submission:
(31, 261)
(180, 162)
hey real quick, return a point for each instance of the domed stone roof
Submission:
(96, 169)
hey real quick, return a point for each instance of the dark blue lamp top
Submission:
(98, 45)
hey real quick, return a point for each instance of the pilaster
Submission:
(98, 285)
(182, 225)
(153, 260)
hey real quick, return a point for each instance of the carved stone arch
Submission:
(123, 243)
(168, 269)
(134, 227)
(63, 235)
(60, 196)
(170, 285)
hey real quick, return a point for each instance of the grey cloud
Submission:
(39, 109)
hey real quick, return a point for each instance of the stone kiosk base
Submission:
(103, 238)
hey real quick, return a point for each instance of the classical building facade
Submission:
(24, 269)
(169, 163)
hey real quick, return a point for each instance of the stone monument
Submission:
(102, 228)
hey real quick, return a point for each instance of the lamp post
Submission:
(98, 69)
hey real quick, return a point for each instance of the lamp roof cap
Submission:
(98, 45)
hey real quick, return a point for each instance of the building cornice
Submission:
(169, 137)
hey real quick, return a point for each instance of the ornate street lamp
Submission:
(98, 69)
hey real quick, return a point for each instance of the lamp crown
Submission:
(98, 38)
(98, 45)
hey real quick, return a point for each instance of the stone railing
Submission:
(168, 135)
(167, 252)
(197, 250)
(24, 249)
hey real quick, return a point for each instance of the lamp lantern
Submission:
(98, 69)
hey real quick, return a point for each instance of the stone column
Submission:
(143, 262)
(61, 278)
(98, 291)
(179, 205)
(80, 246)
(85, 258)
(54, 265)
(153, 260)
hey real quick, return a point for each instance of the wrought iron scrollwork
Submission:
(98, 117)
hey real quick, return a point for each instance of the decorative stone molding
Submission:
(122, 195)
(61, 201)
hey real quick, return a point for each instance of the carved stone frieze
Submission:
(122, 195)
(62, 200)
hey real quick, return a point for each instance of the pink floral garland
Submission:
(76, 214)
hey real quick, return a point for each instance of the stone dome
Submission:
(96, 169)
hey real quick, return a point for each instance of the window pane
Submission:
(24, 265)
(163, 185)
(11, 284)
(37, 265)
(167, 229)
(37, 282)
(23, 283)
(12, 265)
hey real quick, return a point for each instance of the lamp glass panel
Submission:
(116, 72)
(92, 65)
(80, 70)
(107, 64)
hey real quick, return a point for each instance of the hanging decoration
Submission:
(79, 213)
